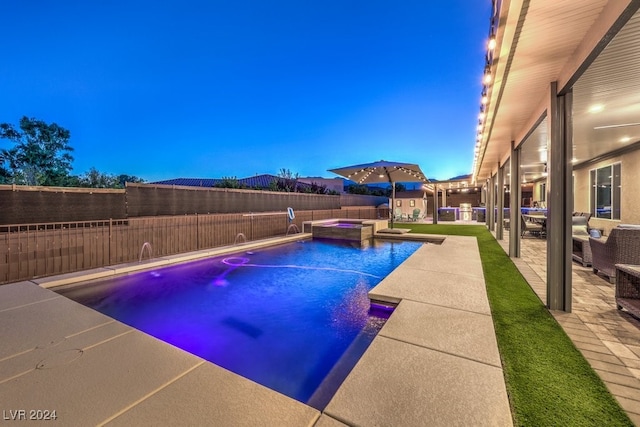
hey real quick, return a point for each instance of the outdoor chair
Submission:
(398, 215)
(416, 214)
(533, 228)
(622, 246)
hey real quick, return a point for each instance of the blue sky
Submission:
(206, 89)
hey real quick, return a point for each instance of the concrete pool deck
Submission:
(435, 362)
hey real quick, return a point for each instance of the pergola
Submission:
(561, 91)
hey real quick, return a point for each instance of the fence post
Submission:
(110, 231)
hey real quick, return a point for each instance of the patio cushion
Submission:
(579, 230)
(579, 220)
(580, 226)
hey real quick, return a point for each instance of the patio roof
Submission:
(587, 47)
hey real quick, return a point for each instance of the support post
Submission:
(559, 201)
(491, 222)
(500, 202)
(444, 197)
(515, 229)
(435, 203)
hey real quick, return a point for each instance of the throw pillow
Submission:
(579, 230)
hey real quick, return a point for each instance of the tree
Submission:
(229, 182)
(41, 155)
(285, 181)
(358, 189)
(122, 179)
(96, 179)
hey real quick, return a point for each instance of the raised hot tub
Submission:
(344, 229)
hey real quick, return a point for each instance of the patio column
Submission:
(444, 197)
(500, 202)
(491, 198)
(514, 203)
(559, 200)
(487, 195)
(435, 203)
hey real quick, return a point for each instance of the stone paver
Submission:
(451, 391)
(209, 392)
(445, 329)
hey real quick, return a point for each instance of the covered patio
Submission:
(558, 128)
(558, 124)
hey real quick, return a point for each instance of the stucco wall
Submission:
(630, 181)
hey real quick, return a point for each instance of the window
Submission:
(605, 194)
(398, 203)
(412, 203)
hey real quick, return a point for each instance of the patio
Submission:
(60, 356)
(608, 338)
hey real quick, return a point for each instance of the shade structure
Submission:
(382, 172)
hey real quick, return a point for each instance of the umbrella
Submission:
(383, 171)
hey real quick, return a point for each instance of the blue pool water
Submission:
(294, 318)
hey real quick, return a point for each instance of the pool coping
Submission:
(441, 285)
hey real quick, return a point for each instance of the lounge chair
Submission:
(398, 215)
(622, 246)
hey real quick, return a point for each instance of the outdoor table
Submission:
(540, 219)
(537, 218)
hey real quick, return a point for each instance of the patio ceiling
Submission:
(537, 43)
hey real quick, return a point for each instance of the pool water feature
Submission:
(295, 318)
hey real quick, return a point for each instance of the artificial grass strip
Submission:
(548, 380)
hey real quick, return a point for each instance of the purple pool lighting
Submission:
(345, 225)
(294, 318)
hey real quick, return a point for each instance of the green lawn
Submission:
(548, 381)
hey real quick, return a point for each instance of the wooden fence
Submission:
(24, 204)
(29, 251)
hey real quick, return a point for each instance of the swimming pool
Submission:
(294, 318)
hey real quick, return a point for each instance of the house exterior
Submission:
(407, 201)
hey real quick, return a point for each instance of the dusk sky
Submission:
(210, 89)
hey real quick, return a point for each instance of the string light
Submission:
(486, 79)
(492, 43)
